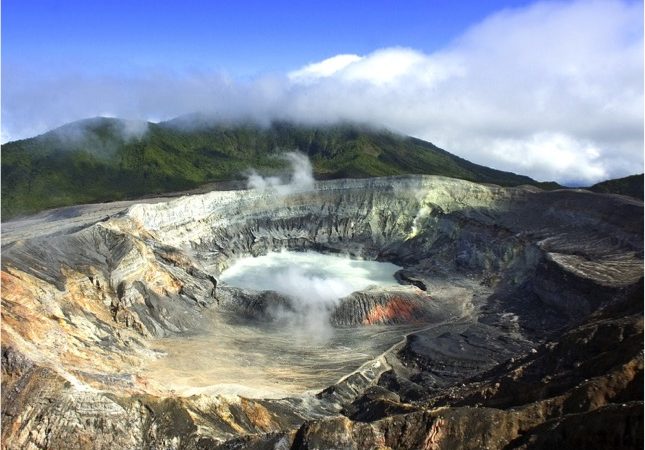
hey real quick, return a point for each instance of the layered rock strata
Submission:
(523, 311)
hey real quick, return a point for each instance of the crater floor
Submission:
(266, 361)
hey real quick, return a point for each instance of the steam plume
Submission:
(300, 179)
(314, 284)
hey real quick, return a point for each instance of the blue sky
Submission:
(550, 89)
(242, 38)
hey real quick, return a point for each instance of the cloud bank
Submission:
(552, 90)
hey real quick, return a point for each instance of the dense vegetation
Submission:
(631, 185)
(95, 159)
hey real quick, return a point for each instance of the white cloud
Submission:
(552, 90)
(550, 155)
(325, 68)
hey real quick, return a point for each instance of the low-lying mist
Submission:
(313, 282)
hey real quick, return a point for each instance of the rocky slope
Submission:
(521, 314)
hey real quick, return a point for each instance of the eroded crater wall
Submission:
(80, 303)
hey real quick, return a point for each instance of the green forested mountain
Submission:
(631, 185)
(105, 159)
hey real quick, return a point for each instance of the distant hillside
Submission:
(631, 185)
(105, 159)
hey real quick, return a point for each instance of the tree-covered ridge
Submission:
(631, 185)
(103, 159)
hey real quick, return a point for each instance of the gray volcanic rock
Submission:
(518, 319)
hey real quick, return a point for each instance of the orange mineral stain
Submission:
(396, 308)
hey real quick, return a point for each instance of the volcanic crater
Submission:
(512, 316)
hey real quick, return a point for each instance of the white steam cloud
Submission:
(313, 297)
(553, 90)
(301, 178)
(314, 283)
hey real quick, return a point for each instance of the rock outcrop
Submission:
(520, 318)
